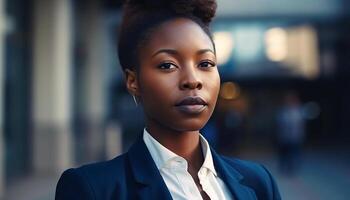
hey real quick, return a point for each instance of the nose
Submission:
(190, 80)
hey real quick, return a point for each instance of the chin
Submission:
(190, 125)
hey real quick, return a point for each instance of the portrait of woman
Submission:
(168, 56)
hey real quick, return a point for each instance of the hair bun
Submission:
(203, 9)
(147, 3)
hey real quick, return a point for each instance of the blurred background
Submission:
(284, 100)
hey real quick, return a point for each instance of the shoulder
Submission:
(247, 168)
(92, 181)
(256, 176)
(105, 171)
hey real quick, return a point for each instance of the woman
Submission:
(169, 60)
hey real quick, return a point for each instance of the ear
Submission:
(131, 82)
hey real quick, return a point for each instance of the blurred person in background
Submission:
(291, 133)
(169, 59)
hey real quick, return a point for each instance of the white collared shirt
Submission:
(180, 183)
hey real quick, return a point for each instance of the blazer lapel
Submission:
(232, 179)
(146, 173)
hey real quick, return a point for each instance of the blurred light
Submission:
(230, 91)
(224, 46)
(248, 43)
(306, 48)
(276, 44)
(311, 110)
(303, 51)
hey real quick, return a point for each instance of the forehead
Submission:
(179, 34)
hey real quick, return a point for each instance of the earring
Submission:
(133, 96)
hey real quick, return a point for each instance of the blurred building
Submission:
(62, 97)
(58, 62)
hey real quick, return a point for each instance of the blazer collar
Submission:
(153, 186)
(232, 178)
(146, 173)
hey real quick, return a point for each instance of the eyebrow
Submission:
(175, 52)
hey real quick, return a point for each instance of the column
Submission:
(52, 139)
(92, 36)
(2, 72)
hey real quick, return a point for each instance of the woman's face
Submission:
(178, 81)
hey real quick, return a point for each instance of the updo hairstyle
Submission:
(141, 17)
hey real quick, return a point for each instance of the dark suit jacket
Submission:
(134, 175)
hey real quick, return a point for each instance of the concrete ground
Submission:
(322, 175)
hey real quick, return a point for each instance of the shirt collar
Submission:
(161, 155)
(208, 159)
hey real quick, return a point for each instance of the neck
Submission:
(183, 143)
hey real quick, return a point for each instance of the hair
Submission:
(142, 17)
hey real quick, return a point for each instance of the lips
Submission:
(191, 105)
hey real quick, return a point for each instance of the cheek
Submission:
(156, 89)
(213, 85)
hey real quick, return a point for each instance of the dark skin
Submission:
(177, 61)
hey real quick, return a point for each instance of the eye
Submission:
(207, 64)
(167, 66)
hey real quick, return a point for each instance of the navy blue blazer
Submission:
(134, 175)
